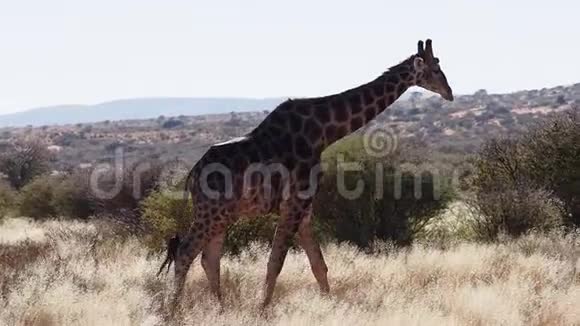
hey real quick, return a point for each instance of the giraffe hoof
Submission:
(264, 305)
(264, 312)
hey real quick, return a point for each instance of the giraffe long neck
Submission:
(355, 108)
(310, 125)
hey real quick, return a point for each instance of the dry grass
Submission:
(75, 274)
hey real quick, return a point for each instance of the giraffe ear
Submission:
(419, 64)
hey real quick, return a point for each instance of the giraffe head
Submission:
(429, 73)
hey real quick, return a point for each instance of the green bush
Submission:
(553, 162)
(72, 197)
(396, 203)
(515, 212)
(165, 215)
(36, 199)
(7, 199)
(24, 161)
(530, 182)
(57, 196)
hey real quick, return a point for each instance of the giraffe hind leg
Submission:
(187, 251)
(207, 235)
(210, 261)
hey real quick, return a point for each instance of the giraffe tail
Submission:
(172, 246)
(173, 243)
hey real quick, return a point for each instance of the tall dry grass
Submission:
(72, 273)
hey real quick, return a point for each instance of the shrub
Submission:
(499, 165)
(165, 215)
(72, 197)
(125, 191)
(57, 196)
(502, 192)
(23, 162)
(515, 212)
(7, 198)
(530, 182)
(553, 162)
(396, 203)
(36, 198)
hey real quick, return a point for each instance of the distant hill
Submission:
(416, 113)
(140, 108)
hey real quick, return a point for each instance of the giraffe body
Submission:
(275, 169)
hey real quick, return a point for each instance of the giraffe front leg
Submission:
(210, 261)
(280, 246)
(312, 248)
(292, 214)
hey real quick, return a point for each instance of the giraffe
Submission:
(273, 169)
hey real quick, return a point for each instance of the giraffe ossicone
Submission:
(292, 136)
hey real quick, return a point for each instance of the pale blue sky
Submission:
(81, 52)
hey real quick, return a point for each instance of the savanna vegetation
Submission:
(433, 236)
